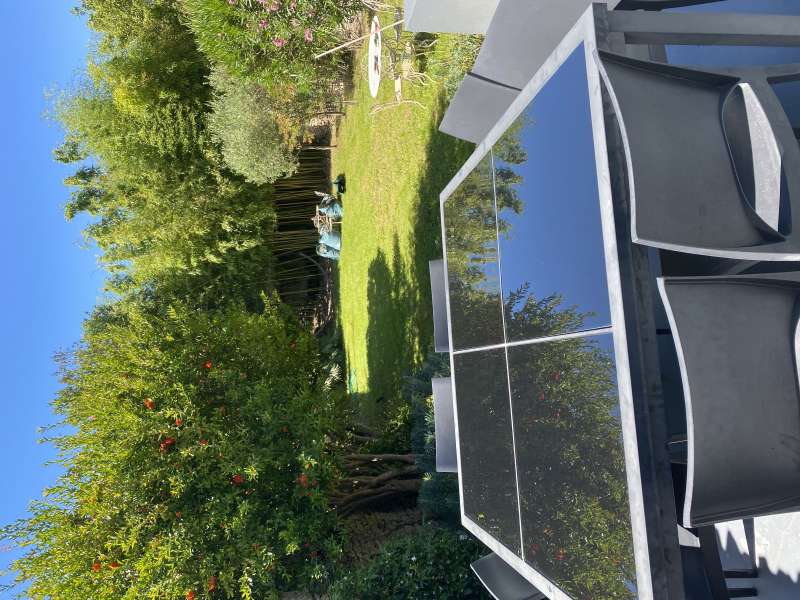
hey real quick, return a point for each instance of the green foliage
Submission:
(570, 435)
(169, 214)
(195, 457)
(450, 69)
(244, 125)
(432, 564)
(272, 42)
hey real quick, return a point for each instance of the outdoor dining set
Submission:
(619, 294)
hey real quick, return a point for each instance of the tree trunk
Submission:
(374, 481)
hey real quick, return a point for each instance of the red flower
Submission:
(302, 481)
(535, 549)
(212, 583)
(149, 404)
(190, 595)
(166, 444)
(561, 554)
(237, 479)
(203, 442)
(178, 422)
(556, 376)
(96, 566)
(114, 565)
(178, 514)
(541, 396)
(208, 364)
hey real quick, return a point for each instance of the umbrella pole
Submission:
(358, 39)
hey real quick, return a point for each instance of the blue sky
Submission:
(561, 249)
(51, 280)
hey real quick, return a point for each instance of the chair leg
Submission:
(743, 593)
(712, 562)
(741, 573)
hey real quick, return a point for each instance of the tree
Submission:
(168, 211)
(244, 125)
(571, 465)
(197, 458)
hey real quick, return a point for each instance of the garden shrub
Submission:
(195, 461)
(450, 69)
(431, 564)
(272, 42)
(243, 123)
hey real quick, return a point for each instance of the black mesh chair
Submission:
(441, 335)
(713, 162)
(444, 425)
(737, 340)
(502, 581)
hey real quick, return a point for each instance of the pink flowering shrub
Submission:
(273, 42)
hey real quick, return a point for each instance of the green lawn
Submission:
(396, 163)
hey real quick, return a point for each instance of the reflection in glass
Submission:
(472, 269)
(573, 492)
(551, 239)
(486, 446)
(789, 95)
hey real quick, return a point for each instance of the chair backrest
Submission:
(714, 182)
(737, 341)
(521, 37)
(502, 581)
(476, 107)
(449, 16)
(444, 425)
(441, 335)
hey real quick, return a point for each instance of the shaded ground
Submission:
(396, 163)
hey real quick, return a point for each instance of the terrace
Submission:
(618, 296)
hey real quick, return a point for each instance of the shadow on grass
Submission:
(390, 301)
(400, 329)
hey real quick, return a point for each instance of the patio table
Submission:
(558, 467)
(570, 381)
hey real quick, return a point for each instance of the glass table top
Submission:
(473, 269)
(569, 518)
(542, 467)
(487, 456)
(551, 240)
(523, 229)
(573, 493)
